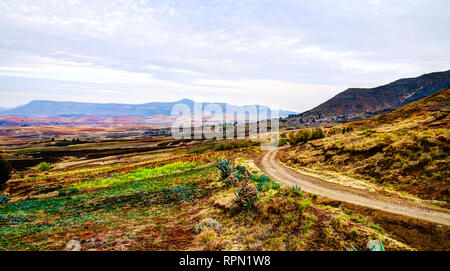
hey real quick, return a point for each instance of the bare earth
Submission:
(274, 169)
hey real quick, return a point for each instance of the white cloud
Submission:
(265, 51)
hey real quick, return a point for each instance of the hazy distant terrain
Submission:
(75, 109)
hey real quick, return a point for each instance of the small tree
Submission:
(5, 171)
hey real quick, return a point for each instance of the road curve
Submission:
(269, 164)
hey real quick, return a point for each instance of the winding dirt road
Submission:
(269, 164)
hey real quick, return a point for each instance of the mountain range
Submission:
(77, 109)
(351, 104)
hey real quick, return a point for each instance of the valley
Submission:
(328, 187)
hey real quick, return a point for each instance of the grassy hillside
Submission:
(406, 149)
(179, 202)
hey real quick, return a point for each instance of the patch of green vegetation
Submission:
(303, 204)
(137, 175)
(359, 219)
(44, 166)
(287, 218)
(339, 220)
(309, 223)
(227, 145)
(28, 151)
(305, 135)
(282, 142)
(198, 150)
(376, 227)
(264, 183)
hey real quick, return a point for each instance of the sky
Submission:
(290, 54)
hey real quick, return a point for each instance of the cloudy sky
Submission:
(294, 54)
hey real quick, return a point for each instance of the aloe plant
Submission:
(353, 248)
(224, 166)
(373, 246)
(377, 248)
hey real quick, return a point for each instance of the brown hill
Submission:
(393, 95)
(361, 103)
(406, 150)
(430, 112)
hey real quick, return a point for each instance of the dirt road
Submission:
(269, 164)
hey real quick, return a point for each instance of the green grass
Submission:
(226, 145)
(376, 227)
(137, 175)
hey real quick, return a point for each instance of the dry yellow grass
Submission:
(406, 149)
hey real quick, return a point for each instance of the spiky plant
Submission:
(225, 168)
(247, 194)
(373, 246)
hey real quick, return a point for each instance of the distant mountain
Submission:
(76, 109)
(357, 103)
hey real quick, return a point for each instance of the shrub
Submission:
(226, 145)
(301, 136)
(44, 166)
(5, 171)
(282, 142)
(304, 135)
(317, 134)
(302, 205)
